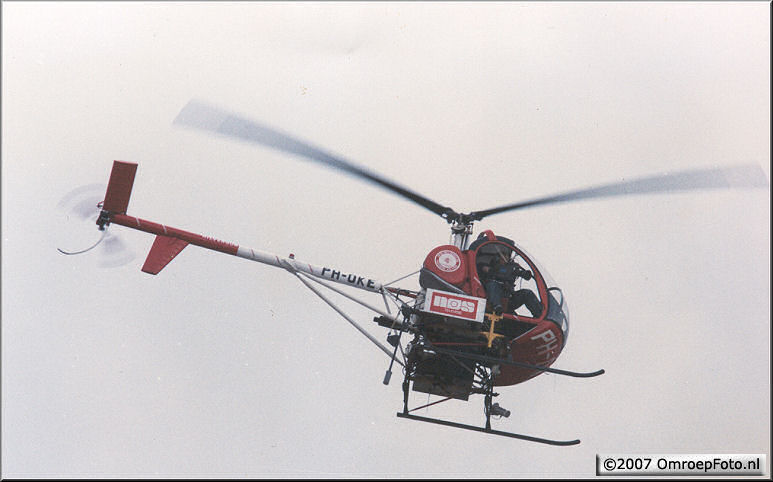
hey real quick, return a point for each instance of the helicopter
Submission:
(486, 313)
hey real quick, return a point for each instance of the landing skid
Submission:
(488, 410)
(489, 431)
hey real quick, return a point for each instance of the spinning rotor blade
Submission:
(72, 253)
(115, 253)
(741, 176)
(203, 116)
(83, 201)
(80, 209)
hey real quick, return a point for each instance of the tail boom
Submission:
(170, 241)
(162, 230)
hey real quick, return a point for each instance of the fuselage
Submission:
(516, 334)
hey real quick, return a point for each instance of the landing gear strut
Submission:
(489, 409)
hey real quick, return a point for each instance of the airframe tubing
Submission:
(288, 264)
(356, 300)
(345, 316)
(330, 274)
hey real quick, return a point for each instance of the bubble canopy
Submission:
(557, 308)
(488, 248)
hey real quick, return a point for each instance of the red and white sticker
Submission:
(447, 261)
(452, 304)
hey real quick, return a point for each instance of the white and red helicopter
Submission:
(468, 328)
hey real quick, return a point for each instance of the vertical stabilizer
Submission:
(119, 189)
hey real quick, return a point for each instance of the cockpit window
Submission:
(558, 312)
(490, 252)
(512, 290)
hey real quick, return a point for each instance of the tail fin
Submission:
(119, 189)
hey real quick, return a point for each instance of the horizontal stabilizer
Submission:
(119, 189)
(164, 249)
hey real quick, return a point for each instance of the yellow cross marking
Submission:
(490, 335)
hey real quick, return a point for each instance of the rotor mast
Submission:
(461, 232)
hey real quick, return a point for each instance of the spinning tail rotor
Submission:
(81, 209)
(70, 253)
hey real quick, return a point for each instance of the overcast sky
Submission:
(220, 367)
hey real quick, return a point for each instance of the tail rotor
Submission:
(80, 209)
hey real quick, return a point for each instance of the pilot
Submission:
(500, 277)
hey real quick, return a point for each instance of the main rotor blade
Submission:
(206, 117)
(741, 176)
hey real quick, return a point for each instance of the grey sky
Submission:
(220, 367)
